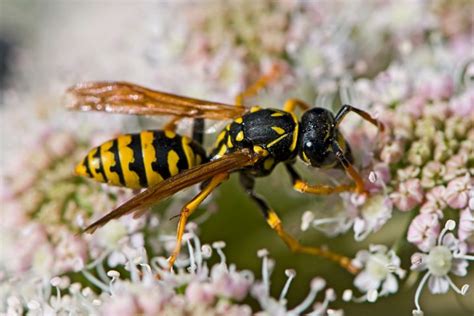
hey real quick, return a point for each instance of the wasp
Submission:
(252, 144)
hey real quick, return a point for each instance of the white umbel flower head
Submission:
(448, 256)
(379, 268)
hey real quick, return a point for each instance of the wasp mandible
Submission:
(252, 144)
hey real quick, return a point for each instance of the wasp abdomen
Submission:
(141, 160)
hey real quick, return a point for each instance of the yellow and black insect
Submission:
(252, 144)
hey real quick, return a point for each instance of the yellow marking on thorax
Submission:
(295, 133)
(94, 163)
(229, 142)
(108, 161)
(126, 157)
(268, 163)
(149, 157)
(220, 138)
(260, 151)
(276, 114)
(278, 130)
(222, 151)
(276, 140)
(255, 109)
(238, 120)
(173, 159)
(170, 134)
(240, 136)
(188, 151)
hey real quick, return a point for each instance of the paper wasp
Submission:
(252, 144)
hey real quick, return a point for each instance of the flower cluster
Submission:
(44, 206)
(318, 45)
(379, 268)
(146, 287)
(446, 256)
(409, 63)
(422, 165)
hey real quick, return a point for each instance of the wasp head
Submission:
(317, 138)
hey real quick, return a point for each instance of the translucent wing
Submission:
(170, 186)
(128, 98)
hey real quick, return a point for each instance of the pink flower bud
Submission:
(200, 293)
(423, 231)
(456, 194)
(466, 224)
(392, 153)
(409, 194)
(121, 306)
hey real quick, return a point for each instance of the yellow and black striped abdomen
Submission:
(141, 160)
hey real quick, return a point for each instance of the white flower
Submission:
(373, 214)
(364, 215)
(338, 221)
(152, 289)
(447, 256)
(377, 278)
(271, 306)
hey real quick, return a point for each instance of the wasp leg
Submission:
(189, 208)
(292, 104)
(198, 130)
(349, 168)
(366, 116)
(275, 223)
(258, 85)
(302, 186)
(172, 124)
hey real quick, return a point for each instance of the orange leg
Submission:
(350, 170)
(320, 189)
(275, 223)
(172, 124)
(305, 187)
(189, 208)
(292, 104)
(261, 83)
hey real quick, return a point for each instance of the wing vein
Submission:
(127, 98)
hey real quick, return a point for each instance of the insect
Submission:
(252, 144)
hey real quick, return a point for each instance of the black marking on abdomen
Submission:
(117, 168)
(137, 165)
(100, 170)
(86, 165)
(163, 145)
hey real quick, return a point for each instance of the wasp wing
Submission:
(170, 186)
(128, 98)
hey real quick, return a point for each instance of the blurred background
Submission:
(212, 50)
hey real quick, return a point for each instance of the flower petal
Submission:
(438, 285)
(365, 282)
(459, 267)
(390, 285)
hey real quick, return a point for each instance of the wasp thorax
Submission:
(316, 138)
